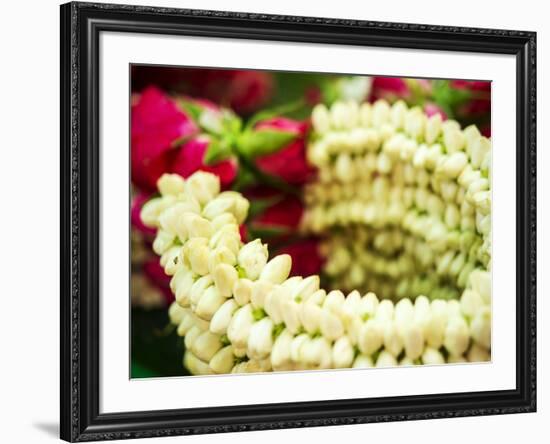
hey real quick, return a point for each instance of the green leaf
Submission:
(193, 109)
(253, 143)
(218, 149)
(258, 206)
(266, 232)
(281, 110)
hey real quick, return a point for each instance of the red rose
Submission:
(190, 158)
(243, 91)
(285, 213)
(306, 258)
(288, 163)
(389, 88)
(481, 97)
(156, 122)
(155, 274)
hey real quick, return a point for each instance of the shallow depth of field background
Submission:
(275, 215)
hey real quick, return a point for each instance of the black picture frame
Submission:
(81, 25)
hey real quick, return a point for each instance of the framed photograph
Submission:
(278, 221)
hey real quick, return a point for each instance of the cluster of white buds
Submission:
(239, 311)
(410, 193)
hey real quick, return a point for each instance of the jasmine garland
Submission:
(408, 199)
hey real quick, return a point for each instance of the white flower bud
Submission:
(198, 288)
(176, 313)
(481, 283)
(221, 319)
(371, 336)
(196, 252)
(432, 356)
(384, 310)
(331, 326)
(242, 291)
(310, 316)
(277, 269)
(435, 329)
(163, 241)
(454, 140)
(209, 303)
(187, 323)
(296, 346)
(206, 346)
(305, 288)
(170, 184)
(334, 302)
(239, 327)
(479, 149)
(192, 334)
(197, 226)
(470, 302)
(386, 359)
(365, 114)
(225, 276)
(260, 341)
(195, 365)
(260, 289)
(363, 361)
(481, 327)
(413, 341)
(151, 210)
(344, 168)
(221, 255)
(392, 340)
(253, 258)
(342, 353)
(203, 186)
(218, 207)
(451, 166)
(398, 113)
(223, 360)
(320, 119)
(290, 311)
(280, 353)
(170, 260)
(457, 336)
(433, 128)
(225, 219)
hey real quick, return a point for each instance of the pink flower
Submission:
(431, 109)
(135, 210)
(288, 163)
(306, 258)
(156, 124)
(389, 88)
(190, 158)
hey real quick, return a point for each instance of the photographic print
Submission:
(275, 221)
(305, 221)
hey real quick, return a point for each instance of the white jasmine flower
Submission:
(223, 360)
(260, 341)
(252, 258)
(277, 269)
(239, 327)
(170, 184)
(221, 319)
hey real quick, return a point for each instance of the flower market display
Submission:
(357, 234)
